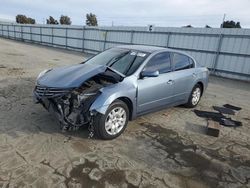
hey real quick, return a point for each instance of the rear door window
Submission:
(160, 62)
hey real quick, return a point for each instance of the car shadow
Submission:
(19, 113)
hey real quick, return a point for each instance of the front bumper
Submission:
(49, 105)
(56, 107)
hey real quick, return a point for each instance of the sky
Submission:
(166, 13)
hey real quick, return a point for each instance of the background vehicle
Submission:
(118, 85)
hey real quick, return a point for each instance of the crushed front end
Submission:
(71, 106)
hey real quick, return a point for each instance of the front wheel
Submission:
(194, 97)
(113, 122)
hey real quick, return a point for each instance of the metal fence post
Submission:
(8, 31)
(105, 39)
(2, 29)
(41, 34)
(22, 33)
(132, 37)
(52, 34)
(168, 39)
(14, 32)
(217, 53)
(31, 34)
(66, 41)
(83, 35)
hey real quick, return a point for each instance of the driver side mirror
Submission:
(146, 73)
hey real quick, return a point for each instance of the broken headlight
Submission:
(83, 96)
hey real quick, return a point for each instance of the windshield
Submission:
(124, 61)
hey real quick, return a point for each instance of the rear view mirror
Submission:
(146, 73)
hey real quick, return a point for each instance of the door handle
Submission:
(194, 74)
(170, 82)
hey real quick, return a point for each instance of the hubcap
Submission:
(196, 96)
(115, 120)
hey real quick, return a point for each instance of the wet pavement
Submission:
(168, 148)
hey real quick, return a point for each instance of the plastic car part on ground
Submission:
(219, 116)
(224, 110)
(232, 107)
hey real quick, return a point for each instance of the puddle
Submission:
(203, 161)
(79, 147)
(80, 175)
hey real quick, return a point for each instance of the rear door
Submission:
(184, 76)
(154, 92)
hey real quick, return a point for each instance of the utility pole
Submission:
(224, 17)
(112, 23)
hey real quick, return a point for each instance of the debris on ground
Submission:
(213, 128)
(220, 116)
(215, 116)
(232, 107)
(224, 110)
(228, 122)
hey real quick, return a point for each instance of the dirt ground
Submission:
(168, 148)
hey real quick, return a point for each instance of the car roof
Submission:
(149, 49)
(152, 49)
(143, 48)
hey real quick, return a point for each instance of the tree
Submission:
(91, 20)
(65, 20)
(207, 26)
(22, 19)
(31, 21)
(188, 26)
(51, 20)
(231, 24)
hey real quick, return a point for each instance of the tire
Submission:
(108, 128)
(194, 97)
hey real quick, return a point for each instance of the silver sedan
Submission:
(119, 84)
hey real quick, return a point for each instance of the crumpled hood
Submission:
(70, 76)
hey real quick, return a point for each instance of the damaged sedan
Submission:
(119, 84)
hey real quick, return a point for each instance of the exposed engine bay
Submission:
(71, 106)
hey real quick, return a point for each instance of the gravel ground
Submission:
(168, 148)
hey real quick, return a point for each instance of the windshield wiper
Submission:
(115, 59)
(117, 72)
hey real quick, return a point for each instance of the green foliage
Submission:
(231, 24)
(65, 20)
(22, 19)
(190, 26)
(53, 21)
(91, 20)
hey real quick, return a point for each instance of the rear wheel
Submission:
(113, 122)
(194, 97)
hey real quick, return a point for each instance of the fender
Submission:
(111, 93)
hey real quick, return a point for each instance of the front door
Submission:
(154, 92)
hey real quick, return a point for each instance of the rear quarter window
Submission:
(182, 62)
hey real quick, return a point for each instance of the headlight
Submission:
(85, 96)
(42, 73)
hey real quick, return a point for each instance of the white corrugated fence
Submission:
(226, 52)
